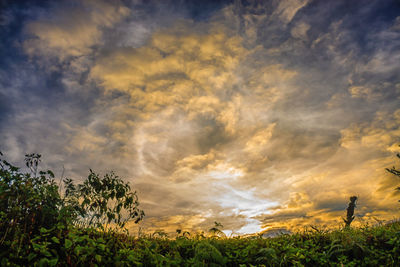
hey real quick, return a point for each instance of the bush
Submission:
(107, 200)
(28, 202)
(35, 216)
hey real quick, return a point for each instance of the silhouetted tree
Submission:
(350, 211)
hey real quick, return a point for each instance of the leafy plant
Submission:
(207, 255)
(216, 231)
(105, 200)
(27, 201)
(36, 218)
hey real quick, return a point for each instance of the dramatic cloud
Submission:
(255, 114)
(72, 30)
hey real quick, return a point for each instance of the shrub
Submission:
(28, 201)
(107, 200)
(35, 217)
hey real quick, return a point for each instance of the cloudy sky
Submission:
(256, 114)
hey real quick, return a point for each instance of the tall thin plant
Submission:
(350, 211)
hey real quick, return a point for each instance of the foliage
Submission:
(207, 255)
(216, 231)
(27, 202)
(32, 207)
(367, 246)
(105, 199)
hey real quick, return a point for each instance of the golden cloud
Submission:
(74, 30)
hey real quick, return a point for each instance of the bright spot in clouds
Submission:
(222, 171)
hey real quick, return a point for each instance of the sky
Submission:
(256, 114)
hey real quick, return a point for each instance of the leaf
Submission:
(43, 262)
(45, 253)
(31, 256)
(68, 243)
(50, 173)
(36, 246)
(78, 250)
(102, 247)
(53, 262)
(98, 258)
(55, 240)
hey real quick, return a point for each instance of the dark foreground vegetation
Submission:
(45, 223)
(369, 246)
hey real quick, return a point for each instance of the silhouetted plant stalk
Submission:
(394, 171)
(350, 211)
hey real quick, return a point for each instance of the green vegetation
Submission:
(82, 225)
(32, 206)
